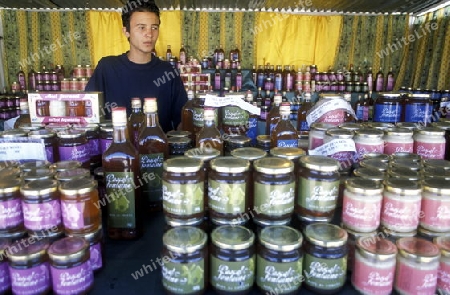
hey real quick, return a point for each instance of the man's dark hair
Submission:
(137, 6)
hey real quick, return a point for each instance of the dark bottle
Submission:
(278, 78)
(254, 75)
(227, 79)
(21, 79)
(209, 136)
(187, 114)
(259, 98)
(369, 79)
(183, 55)
(153, 150)
(238, 79)
(168, 53)
(362, 108)
(231, 55)
(390, 83)
(379, 81)
(216, 55)
(274, 115)
(260, 77)
(302, 124)
(284, 134)
(217, 79)
(136, 120)
(32, 80)
(24, 118)
(236, 54)
(221, 54)
(288, 79)
(120, 164)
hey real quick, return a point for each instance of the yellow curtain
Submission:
(296, 39)
(169, 33)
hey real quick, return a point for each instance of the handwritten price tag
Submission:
(237, 100)
(334, 146)
(22, 149)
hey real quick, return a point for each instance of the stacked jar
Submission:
(429, 143)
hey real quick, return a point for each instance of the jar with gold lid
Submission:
(368, 141)
(369, 173)
(232, 142)
(178, 146)
(70, 267)
(406, 163)
(106, 136)
(186, 268)
(443, 281)
(353, 236)
(388, 108)
(182, 185)
(11, 218)
(92, 132)
(429, 143)
(38, 174)
(31, 165)
(435, 172)
(65, 165)
(228, 198)
(232, 260)
(378, 156)
(374, 163)
(437, 163)
(179, 133)
(13, 133)
(71, 174)
(10, 173)
(402, 172)
(73, 146)
(263, 142)
(317, 134)
(341, 147)
(398, 139)
(435, 207)
(5, 280)
(95, 240)
(279, 260)
(80, 205)
(50, 142)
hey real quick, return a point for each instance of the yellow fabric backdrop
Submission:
(169, 33)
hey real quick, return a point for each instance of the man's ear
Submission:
(127, 34)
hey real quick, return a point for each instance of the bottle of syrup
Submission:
(209, 136)
(284, 134)
(136, 120)
(379, 81)
(302, 124)
(183, 55)
(274, 114)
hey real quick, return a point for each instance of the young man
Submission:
(137, 73)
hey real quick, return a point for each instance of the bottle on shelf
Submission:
(135, 120)
(390, 80)
(221, 53)
(379, 81)
(236, 54)
(362, 108)
(284, 134)
(259, 98)
(371, 104)
(254, 75)
(187, 114)
(168, 53)
(369, 79)
(24, 117)
(274, 114)
(183, 55)
(227, 78)
(347, 116)
(120, 164)
(21, 79)
(231, 55)
(217, 79)
(209, 136)
(260, 77)
(238, 79)
(278, 78)
(288, 79)
(216, 55)
(302, 123)
(268, 99)
(153, 150)
(32, 80)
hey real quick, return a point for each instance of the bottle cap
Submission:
(119, 116)
(136, 103)
(150, 105)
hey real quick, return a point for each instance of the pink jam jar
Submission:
(398, 140)
(374, 266)
(401, 205)
(435, 207)
(443, 281)
(11, 217)
(368, 141)
(429, 143)
(70, 266)
(317, 134)
(417, 267)
(362, 204)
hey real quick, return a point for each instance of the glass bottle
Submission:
(24, 117)
(168, 53)
(260, 77)
(236, 54)
(227, 78)
(32, 80)
(362, 109)
(121, 169)
(187, 113)
(238, 79)
(209, 136)
(379, 81)
(274, 115)
(390, 83)
(135, 120)
(302, 124)
(217, 79)
(21, 79)
(369, 79)
(153, 149)
(284, 134)
(183, 55)
(220, 53)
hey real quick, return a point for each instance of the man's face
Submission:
(144, 31)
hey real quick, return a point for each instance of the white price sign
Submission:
(22, 149)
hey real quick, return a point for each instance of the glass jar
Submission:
(443, 281)
(65, 165)
(368, 141)
(405, 156)
(50, 142)
(11, 218)
(232, 260)
(380, 125)
(374, 269)
(13, 133)
(435, 208)
(353, 236)
(318, 182)
(436, 163)
(341, 147)
(70, 267)
(95, 240)
(401, 205)
(446, 127)
(417, 266)
(398, 140)
(381, 157)
(234, 142)
(80, 205)
(263, 142)
(92, 132)
(374, 163)
(73, 146)
(178, 146)
(408, 125)
(417, 108)
(429, 143)
(274, 191)
(179, 133)
(41, 207)
(405, 163)
(106, 137)
(362, 204)
(182, 185)
(394, 236)
(185, 269)
(228, 197)
(325, 260)
(317, 134)
(29, 268)
(388, 108)
(10, 173)
(5, 279)
(279, 260)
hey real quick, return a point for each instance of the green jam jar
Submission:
(325, 261)
(232, 260)
(185, 261)
(279, 260)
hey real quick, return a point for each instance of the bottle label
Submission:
(226, 198)
(197, 117)
(315, 142)
(74, 280)
(33, 280)
(390, 83)
(278, 82)
(274, 200)
(417, 112)
(362, 113)
(436, 213)
(217, 79)
(96, 256)
(40, 216)
(387, 113)
(287, 143)
(379, 84)
(400, 215)
(443, 281)
(152, 166)
(10, 214)
(120, 188)
(330, 111)
(234, 116)
(415, 280)
(238, 82)
(260, 81)
(252, 131)
(429, 150)
(373, 280)
(391, 147)
(325, 274)
(232, 276)
(5, 280)
(363, 214)
(184, 278)
(49, 154)
(104, 144)
(317, 195)
(183, 199)
(94, 147)
(75, 153)
(278, 278)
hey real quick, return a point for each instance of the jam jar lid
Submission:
(430, 131)
(4, 246)
(70, 174)
(434, 172)
(230, 165)
(238, 139)
(369, 173)
(428, 234)
(440, 163)
(87, 128)
(9, 185)
(27, 166)
(444, 125)
(320, 163)
(232, 237)
(320, 126)
(326, 235)
(38, 173)
(71, 133)
(402, 186)
(408, 125)
(56, 127)
(376, 247)
(248, 153)
(78, 186)
(396, 234)
(443, 242)
(379, 156)
(398, 131)
(105, 123)
(406, 156)
(350, 126)
(418, 249)
(363, 186)
(9, 163)
(369, 133)
(22, 255)
(38, 188)
(374, 163)
(182, 165)
(380, 125)
(406, 163)
(42, 133)
(280, 238)
(9, 172)
(389, 94)
(273, 165)
(184, 239)
(28, 127)
(13, 133)
(263, 138)
(354, 235)
(290, 153)
(204, 154)
(178, 140)
(65, 165)
(91, 237)
(339, 133)
(403, 173)
(436, 185)
(68, 249)
(106, 128)
(178, 133)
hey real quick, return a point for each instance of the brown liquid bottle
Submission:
(183, 55)
(302, 123)
(153, 149)
(274, 115)
(209, 136)
(187, 114)
(284, 134)
(123, 194)
(136, 120)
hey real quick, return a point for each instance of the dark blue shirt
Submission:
(120, 80)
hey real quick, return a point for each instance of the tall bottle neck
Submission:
(136, 110)
(151, 119)
(209, 123)
(120, 134)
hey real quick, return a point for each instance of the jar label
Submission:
(429, 150)
(184, 278)
(232, 276)
(74, 280)
(274, 200)
(362, 214)
(73, 215)
(234, 116)
(411, 279)
(400, 215)
(152, 166)
(392, 148)
(317, 195)
(10, 214)
(75, 153)
(362, 149)
(183, 199)
(325, 274)
(278, 278)
(94, 147)
(436, 214)
(315, 142)
(5, 280)
(287, 143)
(33, 280)
(121, 190)
(40, 216)
(49, 154)
(373, 280)
(417, 112)
(104, 144)
(198, 119)
(96, 256)
(226, 198)
(387, 113)
(443, 281)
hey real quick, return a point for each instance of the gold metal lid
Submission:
(41, 133)
(232, 237)
(91, 237)
(176, 133)
(70, 174)
(406, 156)
(430, 131)
(436, 185)
(37, 188)
(326, 235)
(38, 173)
(380, 125)
(439, 163)
(31, 165)
(290, 153)
(184, 239)
(13, 133)
(369, 173)
(65, 165)
(350, 126)
(374, 163)
(263, 138)
(182, 165)
(396, 234)
(204, 154)
(78, 186)
(369, 133)
(71, 133)
(381, 157)
(403, 187)
(9, 185)
(408, 125)
(22, 255)
(238, 139)
(178, 140)
(420, 250)
(397, 131)
(376, 247)
(68, 249)
(389, 94)
(320, 163)
(280, 238)
(403, 173)
(339, 133)
(406, 163)
(435, 172)
(364, 186)
(274, 165)
(319, 126)
(9, 173)
(444, 125)
(248, 153)
(230, 165)
(443, 243)
(87, 128)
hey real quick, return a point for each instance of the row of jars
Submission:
(66, 84)
(281, 259)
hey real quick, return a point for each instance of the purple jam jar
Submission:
(73, 145)
(5, 280)
(70, 266)
(95, 240)
(11, 217)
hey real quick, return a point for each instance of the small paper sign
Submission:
(334, 146)
(22, 149)
(237, 100)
